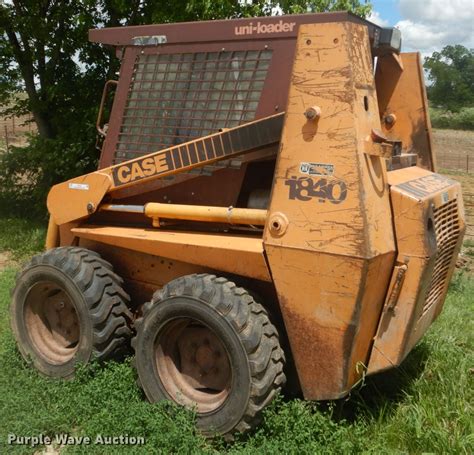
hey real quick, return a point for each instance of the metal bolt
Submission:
(390, 119)
(90, 207)
(313, 113)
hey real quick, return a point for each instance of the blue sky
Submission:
(388, 10)
(428, 25)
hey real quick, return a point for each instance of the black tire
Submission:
(68, 307)
(220, 308)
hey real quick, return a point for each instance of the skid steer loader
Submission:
(265, 212)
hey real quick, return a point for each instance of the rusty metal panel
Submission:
(239, 254)
(329, 237)
(118, 106)
(253, 29)
(429, 224)
(403, 105)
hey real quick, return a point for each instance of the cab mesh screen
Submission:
(177, 97)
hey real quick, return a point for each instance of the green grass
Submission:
(426, 406)
(468, 248)
(22, 238)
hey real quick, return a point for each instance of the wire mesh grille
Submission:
(447, 230)
(174, 98)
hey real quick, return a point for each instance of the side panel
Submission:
(401, 93)
(329, 238)
(237, 254)
(429, 226)
(120, 101)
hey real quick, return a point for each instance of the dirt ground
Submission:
(5, 259)
(454, 149)
(455, 157)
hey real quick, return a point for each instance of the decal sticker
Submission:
(306, 188)
(79, 186)
(142, 168)
(444, 197)
(259, 28)
(317, 168)
(426, 185)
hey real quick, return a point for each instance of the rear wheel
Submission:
(204, 343)
(68, 307)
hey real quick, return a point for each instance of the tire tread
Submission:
(250, 320)
(106, 301)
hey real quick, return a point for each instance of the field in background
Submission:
(13, 130)
(454, 149)
(455, 157)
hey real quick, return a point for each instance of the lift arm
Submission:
(81, 196)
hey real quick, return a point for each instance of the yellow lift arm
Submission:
(80, 197)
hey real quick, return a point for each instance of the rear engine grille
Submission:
(447, 230)
(174, 98)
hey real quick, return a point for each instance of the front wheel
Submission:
(204, 343)
(69, 307)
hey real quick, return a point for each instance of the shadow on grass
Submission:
(383, 391)
(325, 424)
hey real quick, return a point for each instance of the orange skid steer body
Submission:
(291, 155)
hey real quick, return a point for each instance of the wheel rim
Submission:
(193, 365)
(52, 322)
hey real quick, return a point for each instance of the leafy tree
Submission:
(451, 72)
(45, 53)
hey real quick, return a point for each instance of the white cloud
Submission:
(429, 25)
(377, 19)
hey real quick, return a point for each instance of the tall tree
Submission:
(451, 73)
